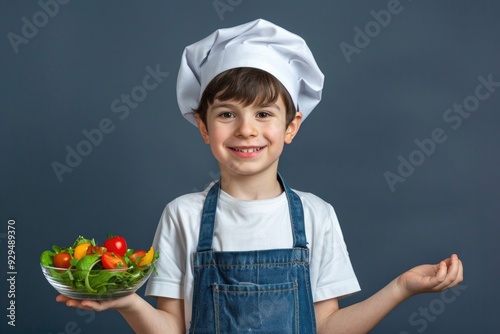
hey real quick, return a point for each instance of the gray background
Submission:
(393, 91)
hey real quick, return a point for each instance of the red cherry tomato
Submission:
(117, 245)
(62, 260)
(111, 260)
(137, 256)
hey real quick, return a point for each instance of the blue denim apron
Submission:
(262, 291)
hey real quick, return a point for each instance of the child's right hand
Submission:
(432, 278)
(116, 304)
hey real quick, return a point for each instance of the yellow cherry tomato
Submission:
(80, 250)
(148, 258)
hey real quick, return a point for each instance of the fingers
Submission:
(92, 305)
(61, 298)
(83, 304)
(442, 271)
(459, 277)
(455, 272)
(450, 272)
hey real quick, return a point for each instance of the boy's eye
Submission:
(226, 114)
(263, 114)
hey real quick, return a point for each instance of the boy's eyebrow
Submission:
(269, 105)
(221, 105)
(232, 105)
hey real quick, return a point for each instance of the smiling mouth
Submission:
(247, 150)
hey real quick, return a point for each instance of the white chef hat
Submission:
(257, 44)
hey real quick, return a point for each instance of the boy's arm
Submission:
(364, 316)
(357, 318)
(168, 317)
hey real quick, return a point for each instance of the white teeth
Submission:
(248, 150)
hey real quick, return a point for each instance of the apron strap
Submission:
(207, 225)
(208, 219)
(296, 216)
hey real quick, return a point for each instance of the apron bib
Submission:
(262, 291)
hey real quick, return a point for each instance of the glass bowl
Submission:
(96, 284)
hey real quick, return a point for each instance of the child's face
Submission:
(247, 140)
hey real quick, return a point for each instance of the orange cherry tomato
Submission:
(81, 250)
(148, 258)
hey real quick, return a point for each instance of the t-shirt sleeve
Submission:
(331, 266)
(171, 264)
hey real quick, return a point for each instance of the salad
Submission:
(98, 269)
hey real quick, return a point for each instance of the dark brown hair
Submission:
(248, 86)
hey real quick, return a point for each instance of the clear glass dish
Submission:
(99, 284)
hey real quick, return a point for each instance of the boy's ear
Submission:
(293, 127)
(203, 128)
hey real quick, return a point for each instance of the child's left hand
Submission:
(432, 278)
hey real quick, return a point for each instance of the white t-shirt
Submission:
(242, 225)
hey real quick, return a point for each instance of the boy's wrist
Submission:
(127, 304)
(400, 290)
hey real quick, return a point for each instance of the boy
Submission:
(248, 253)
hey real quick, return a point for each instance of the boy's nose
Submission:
(246, 128)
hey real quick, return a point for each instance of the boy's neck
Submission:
(251, 187)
